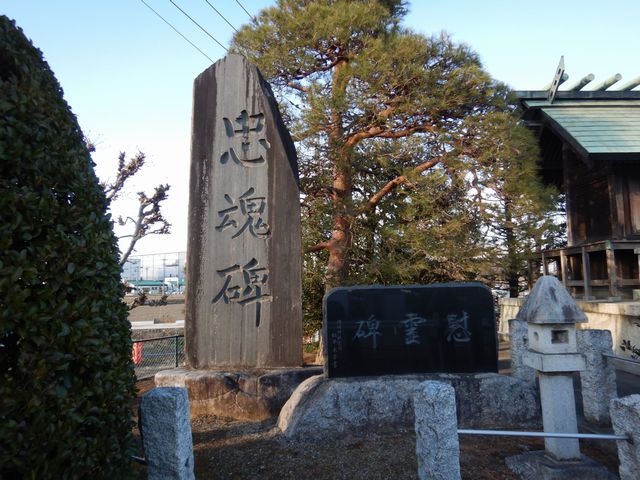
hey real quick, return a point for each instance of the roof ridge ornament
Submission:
(557, 80)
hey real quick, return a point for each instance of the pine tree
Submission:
(354, 79)
(395, 134)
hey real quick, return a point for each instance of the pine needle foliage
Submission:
(388, 124)
(65, 351)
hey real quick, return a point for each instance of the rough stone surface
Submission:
(437, 447)
(166, 434)
(625, 418)
(599, 377)
(243, 305)
(324, 408)
(255, 394)
(538, 466)
(518, 344)
(559, 415)
(549, 302)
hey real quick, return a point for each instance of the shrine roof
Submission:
(603, 125)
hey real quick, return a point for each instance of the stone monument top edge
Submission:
(355, 288)
(235, 64)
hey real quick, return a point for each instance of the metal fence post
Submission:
(176, 339)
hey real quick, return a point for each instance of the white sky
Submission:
(128, 77)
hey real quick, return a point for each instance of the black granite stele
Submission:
(376, 330)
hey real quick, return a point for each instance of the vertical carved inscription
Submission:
(244, 217)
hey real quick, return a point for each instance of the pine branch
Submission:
(393, 184)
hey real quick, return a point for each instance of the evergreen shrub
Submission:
(65, 348)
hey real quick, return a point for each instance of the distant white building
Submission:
(160, 267)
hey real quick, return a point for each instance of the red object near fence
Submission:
(136, 354)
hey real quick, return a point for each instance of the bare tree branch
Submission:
(124, 172)
(149, 221)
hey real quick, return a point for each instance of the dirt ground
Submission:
(174, 310)
(230, 449)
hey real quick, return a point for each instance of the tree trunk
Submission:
(512, 253)
(340, 157)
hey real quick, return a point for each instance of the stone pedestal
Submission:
(559, 415)
(249, 394)
(323, 409)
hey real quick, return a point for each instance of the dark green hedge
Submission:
(65, 351)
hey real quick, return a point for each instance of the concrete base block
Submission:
(538, 466)
(322, 408)
(256, 394)
(625, 417)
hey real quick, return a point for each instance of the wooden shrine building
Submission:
(590, 148)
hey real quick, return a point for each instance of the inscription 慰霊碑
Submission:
(458, 327)
(396, 329)
(369, 328)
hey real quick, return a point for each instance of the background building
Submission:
(157, 267)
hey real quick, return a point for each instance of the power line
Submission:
(245, 10)
(176, 30)
(221, 16)
(198, 25)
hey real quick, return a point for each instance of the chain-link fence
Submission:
(154, 354)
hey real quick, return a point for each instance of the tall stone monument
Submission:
(243, 263)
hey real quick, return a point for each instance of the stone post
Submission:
(625, 417)
(166, 434)
(518, 345)
(598, 379)
(437, 446)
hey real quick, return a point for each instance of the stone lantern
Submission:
(551, 315)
